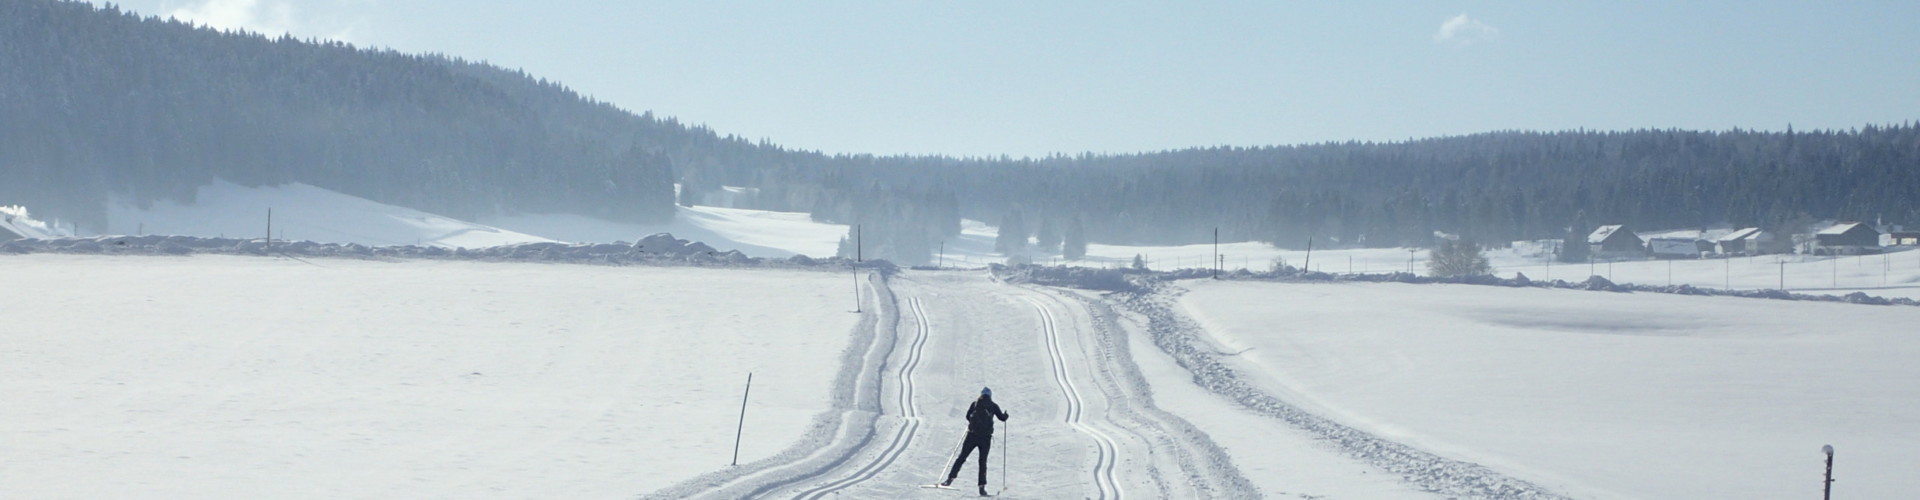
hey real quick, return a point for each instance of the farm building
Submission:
(1678, 248)
(1752, 241)
(1903, 238)
(1615, 242)
(1847, 238)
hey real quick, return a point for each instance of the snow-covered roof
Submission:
(1838, 229)
(1741, 234)
(15, 222)
(1602, 233)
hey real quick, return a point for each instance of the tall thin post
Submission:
(943, 255)
(1729, 273)
(1669, 272)
(1216, 253)
(1308, 266)
(738, 431)
(1783, 275)
(1836, 271)
(858, 249)
(1827, 488)
(269, 228)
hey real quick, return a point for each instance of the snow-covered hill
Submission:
(303, 212)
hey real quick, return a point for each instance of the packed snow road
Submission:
(1081, 423)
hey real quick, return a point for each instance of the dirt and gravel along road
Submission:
(1082, 421)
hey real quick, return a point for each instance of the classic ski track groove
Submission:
(909, 414)
(1107, 453)
(1204, 470)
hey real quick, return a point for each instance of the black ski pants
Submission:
(974, 440)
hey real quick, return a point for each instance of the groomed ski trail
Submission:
(1106, 452)
(909, 414)
(1042, 350)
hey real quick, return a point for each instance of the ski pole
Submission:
(941, 474)
(1004, 439)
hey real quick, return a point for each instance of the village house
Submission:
(1751, 241)
(1678, 248)
(1847, 238)
(1615, 242)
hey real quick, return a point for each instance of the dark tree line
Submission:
(96, 103)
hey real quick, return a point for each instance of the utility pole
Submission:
(1308, 267)
(1216, 252)
(1827, 488)
(269, 229)
(858, 248)
(1783, 274)
(943, 255)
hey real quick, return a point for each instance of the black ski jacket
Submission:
(980, 416)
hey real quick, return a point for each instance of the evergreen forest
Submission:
(98, 105)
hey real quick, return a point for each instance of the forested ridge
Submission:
(99, 104)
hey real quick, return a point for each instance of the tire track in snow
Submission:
(1107, 452)
(909, 414)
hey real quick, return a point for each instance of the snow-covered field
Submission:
(229, 376)
(1598, 395)
(252, 377)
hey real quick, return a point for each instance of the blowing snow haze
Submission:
(143, 110)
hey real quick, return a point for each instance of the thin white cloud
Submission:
(269, 17)
(334, 20)
(1463, 30)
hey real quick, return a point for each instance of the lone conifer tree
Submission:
(1458, 258)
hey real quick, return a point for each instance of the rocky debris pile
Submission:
(1086, 278)
(661, 248)
(1593, 283)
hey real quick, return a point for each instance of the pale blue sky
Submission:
(986, 78)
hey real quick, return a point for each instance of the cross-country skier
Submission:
(980, 417)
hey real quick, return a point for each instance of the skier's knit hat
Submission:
(986, 391)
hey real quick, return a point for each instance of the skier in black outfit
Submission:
(980, 417)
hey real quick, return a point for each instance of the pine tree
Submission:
(1047, 240)
(1013, 235)
(1574, 248)
(1075, 247)
(1458, 258)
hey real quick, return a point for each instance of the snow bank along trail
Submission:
(837, 436)
(1183, 339)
